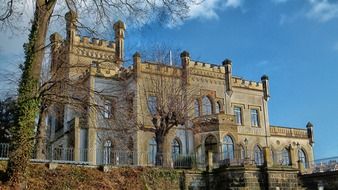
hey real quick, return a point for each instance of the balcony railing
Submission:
(324, 165)
(288, 132)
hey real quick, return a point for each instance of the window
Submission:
(228, 148)
(152, 151)
(218, 107)
(285, 157)
(302, 158)
(196, 108)
(107, 152)
(108, 109)
(152, 104)
(254, 118)
(258, 154)
(175, 148)
(238, 115)
(206, 106)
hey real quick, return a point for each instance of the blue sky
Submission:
(294, 42)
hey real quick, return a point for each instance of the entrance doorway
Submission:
(210, 144)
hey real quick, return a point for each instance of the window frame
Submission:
(286, 157)
(152, 151)
(152, 104)
(197, 108)
(176, 145)
(258, 155)
(207, 108)
(228, 147)
(301, 151)
(257, 121)
(240, 114)
(109, 108)
(218, 106)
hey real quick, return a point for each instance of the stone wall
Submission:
(328, 180)
(282, 178)
(243, 178)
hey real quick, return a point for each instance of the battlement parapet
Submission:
(94, 43)
(102, 70)
(239, 82)
(156, 68)
(206, 66)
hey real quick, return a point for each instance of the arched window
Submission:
(228, 148)
(258, 155)
(107, 152)
(206, 106)
(218, 107)
(197, 108)
(285, 157)
(152, 151)
(302, 157)
(175, 148)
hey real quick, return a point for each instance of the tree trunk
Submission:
(41, 135)
(28, 101)
(160, 150)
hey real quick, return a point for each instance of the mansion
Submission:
(228, 116)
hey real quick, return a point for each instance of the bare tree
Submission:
(29, 101)
(169, 100)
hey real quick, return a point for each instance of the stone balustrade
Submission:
(288, 132)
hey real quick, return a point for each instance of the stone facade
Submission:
(231, 112)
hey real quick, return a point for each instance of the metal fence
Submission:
(324, 165)
(4, 151)
(134, 158)
(129, 158)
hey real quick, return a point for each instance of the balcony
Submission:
(288, 132)
(215, 122)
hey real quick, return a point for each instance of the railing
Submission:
(288, 132)
(251, 131)
(324, 165)
(4, 151)
(112, 157)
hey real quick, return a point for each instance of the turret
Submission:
(185, 59)
(228, 75)
(71, 18)
(119, 29)
(56, 41)
(309, 128)
(266, 90)
(137, 63)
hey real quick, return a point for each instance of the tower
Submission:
(71, 18)
(119, 29)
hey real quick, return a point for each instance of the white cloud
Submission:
(322, 10)
(233, 3)
(207, 9)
